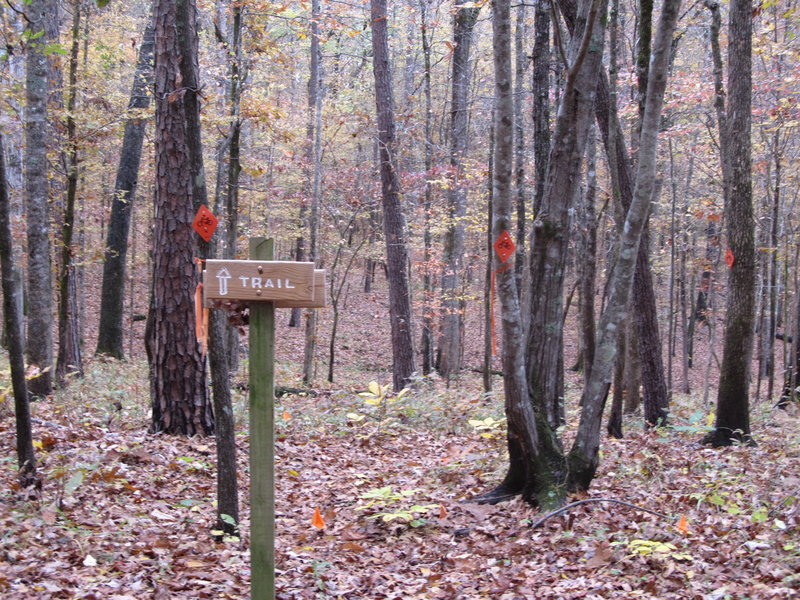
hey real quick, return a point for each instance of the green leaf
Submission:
(759, 516)
(74, 482)
(227, 519)
(54, 49)
(102, 3)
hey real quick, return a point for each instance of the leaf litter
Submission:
(124, 514)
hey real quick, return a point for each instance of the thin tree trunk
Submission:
(69, 362)
(427, 349)
(584, 455)
(393, 219)
(450, 340)
(541, 99)
(12, 292)
(40, 288)
(110, 330)
(733, 411)
(316, 182)
(520, 67)
(588, 261)
(488, 305)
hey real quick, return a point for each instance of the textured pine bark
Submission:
(40, 289)
(110, 331)
(393, 218)
(177, 369)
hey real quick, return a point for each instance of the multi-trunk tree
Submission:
(537, 467)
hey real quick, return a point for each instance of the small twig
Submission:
(18, 11)
(568, 506)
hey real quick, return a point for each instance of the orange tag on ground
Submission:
(317, 521)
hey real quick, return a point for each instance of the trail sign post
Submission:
(265, 284)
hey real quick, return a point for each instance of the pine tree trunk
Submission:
(177, 368)
(110, 331)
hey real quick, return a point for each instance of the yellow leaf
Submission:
(37, 444)
(374, 388)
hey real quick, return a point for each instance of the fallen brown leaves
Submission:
(126, 515)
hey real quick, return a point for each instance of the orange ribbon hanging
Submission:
(200, 313)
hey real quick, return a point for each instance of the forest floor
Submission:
(128, 515)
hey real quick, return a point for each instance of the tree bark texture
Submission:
(550, 241)
(733, 412)
(393, 218)
(587, 268)
(110, 331)
(177, 368)
(450, 340)
(315, 99)
(428, 316)
(541, 99)
(37, 201)
(520, 67)
(12, 292)
(69, 362)
(528, 474)
(643, 294)
(584, 455)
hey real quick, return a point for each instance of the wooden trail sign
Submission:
(282, 280)
(264, 284)
(320, 295)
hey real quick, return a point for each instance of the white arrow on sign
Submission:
(222, 276)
